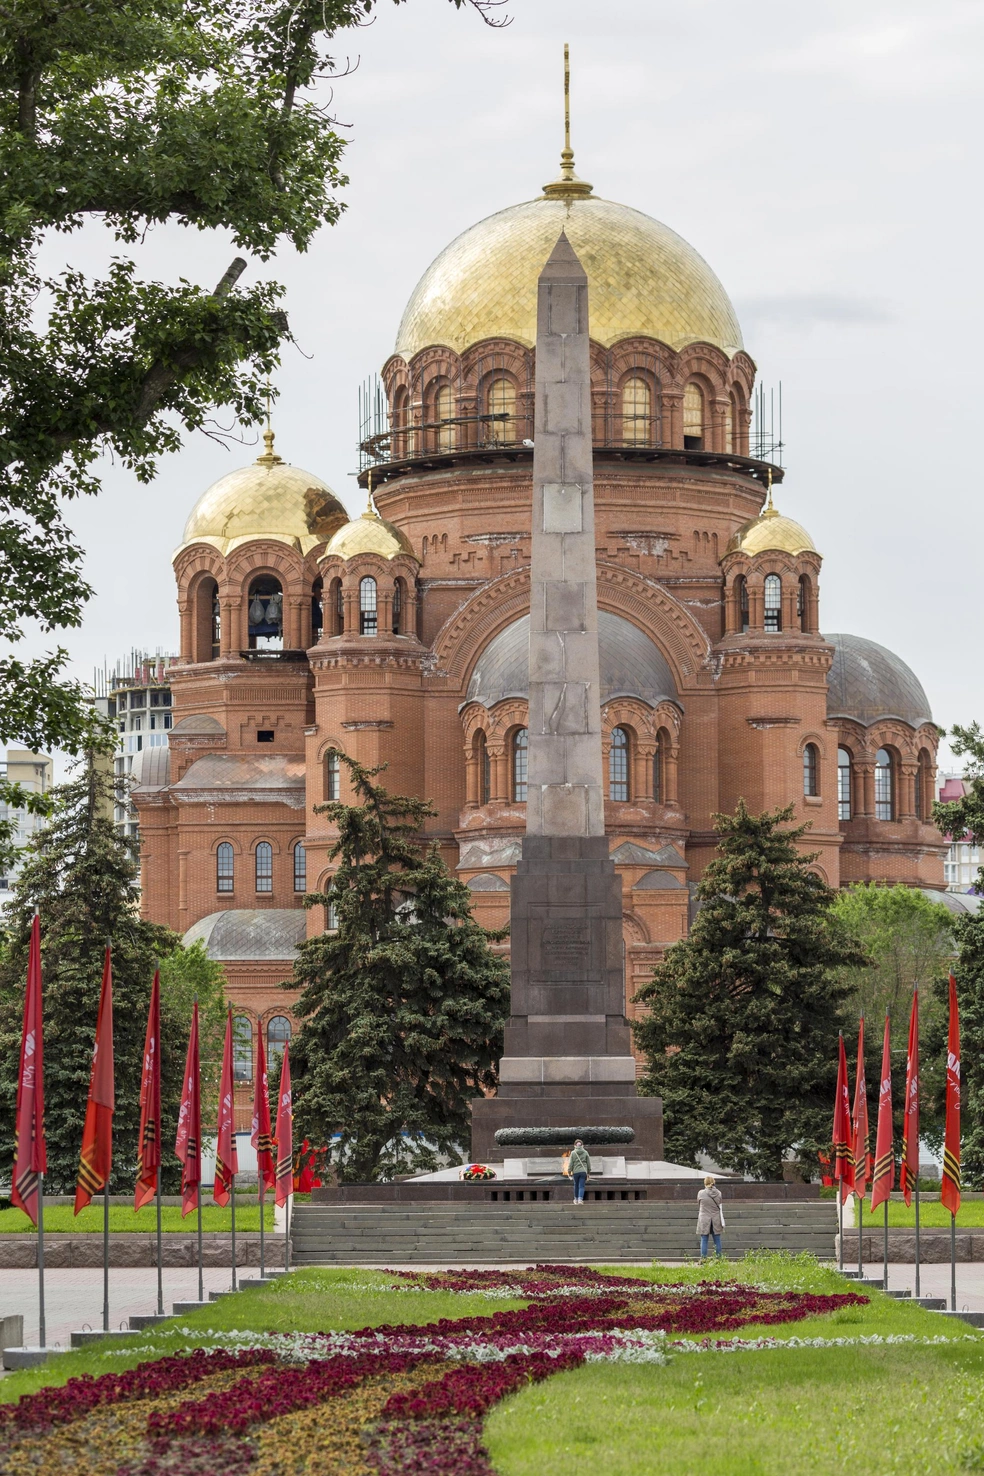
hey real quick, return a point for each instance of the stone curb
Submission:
(20, 1252)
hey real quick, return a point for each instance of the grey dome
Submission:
(867, 683)
(261, 932)
(631, 664)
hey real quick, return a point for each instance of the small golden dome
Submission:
(771, 530)
(268, 499)
(369, 534)
(643, 280)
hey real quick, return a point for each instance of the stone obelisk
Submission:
(567, 1059)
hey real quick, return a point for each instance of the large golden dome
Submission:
(643, 280)
(268, 499)
(772, 531)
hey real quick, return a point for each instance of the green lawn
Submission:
(59, 1219)
(932, 1214)
(902, 1408)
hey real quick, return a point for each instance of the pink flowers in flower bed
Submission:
(473, 1389)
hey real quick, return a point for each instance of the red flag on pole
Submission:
(30, 1150)
(883, 1178)
(188, 1143)
(860, 1120)
(910, 1111)
(950, 1190)
(226, 1158)
(149, 1162)
(843, 1156)
(285, 1134)
(96, 1158)
(262, 1138)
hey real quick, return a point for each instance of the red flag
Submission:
(285, 1134)
(950, 1190)
(149, 1162)
(860, 1119)
(883, 1178)
(188, 1144)
(226, 1158)
(30, 1150)
(262, 1139)
(843, 1156)
(96, 1158)
(910, 1118)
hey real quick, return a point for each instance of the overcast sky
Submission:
(824, 159)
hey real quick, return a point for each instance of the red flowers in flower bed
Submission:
(76, 1398)
(279, 1392)
(472, 1389)
(541, 1281)
(431, 1448)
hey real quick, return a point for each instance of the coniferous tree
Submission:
(741, 1033)
(81, 876)
(403, 1005)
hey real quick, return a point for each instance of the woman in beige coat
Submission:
(710, 1216)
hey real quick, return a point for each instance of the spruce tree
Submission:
(741, 1031)
(81, 876)
(403, 1005)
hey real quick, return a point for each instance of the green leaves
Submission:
(741, 1032)
(403, 1006)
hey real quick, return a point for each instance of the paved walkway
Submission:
(73, 1298)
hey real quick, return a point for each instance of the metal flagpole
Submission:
(885, 1261)
(287, 1206)
(41, 1333)
(860, 1234)
(201, 1274)
(262, 1208)
(160, 1247)
(233, 1203)
(953, 1262)
(106, 1256)
(917, 1233)
(840, 1223)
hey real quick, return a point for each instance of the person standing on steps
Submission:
(710, 1216)
(579, 1168)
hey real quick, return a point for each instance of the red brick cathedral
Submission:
(401, 636)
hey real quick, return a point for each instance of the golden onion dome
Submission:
(369, 534)
(773, 531)
(268, 499)
(643, 279)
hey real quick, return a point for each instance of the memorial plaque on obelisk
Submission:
(567, 1058)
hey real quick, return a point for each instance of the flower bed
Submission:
(389, 1400)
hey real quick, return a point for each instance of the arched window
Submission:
(400, 422)
(803, 602)
(266, 614)
(335, 608)
(773, 603)
(368, 613)
(331, 918)
(693, 417)
(484, 767)
(884, 785)
(242, 1048)
(729, 426)
(333, 776)
(637, 412)
(520, 753)
(618, 765)
(300, 867)
(207, 618)
(443, 411)
(501, 403)
(811, 770)
(742, 585)
(278, 1035)
(399, 594)
(317, 609)
(924, 786)
(225, 868)
(659, 776)
(844, 776)
(264, 867)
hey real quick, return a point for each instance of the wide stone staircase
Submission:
(494, 1234)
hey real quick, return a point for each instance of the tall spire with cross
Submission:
(568, 186)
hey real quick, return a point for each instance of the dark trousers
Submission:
(579, 1182)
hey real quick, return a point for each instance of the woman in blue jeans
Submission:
(710, 1217)
(579, 1167)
